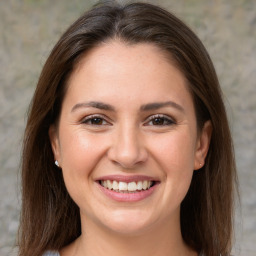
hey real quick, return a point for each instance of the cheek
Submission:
(79, 149)
(80, 153)
(175, 156)
(175, 151)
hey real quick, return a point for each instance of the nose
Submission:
(127, 148)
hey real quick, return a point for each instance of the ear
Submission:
(54, 139)
(203, 143)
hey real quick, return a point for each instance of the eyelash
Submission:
(166, 121)
(94, 117)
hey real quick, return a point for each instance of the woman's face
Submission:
(127, 139)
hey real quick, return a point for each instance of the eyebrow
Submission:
(157, 105)
(93, 104)
(146, 107)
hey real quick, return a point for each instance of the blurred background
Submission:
(30, 28)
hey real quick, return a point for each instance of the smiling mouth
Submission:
(127, 187)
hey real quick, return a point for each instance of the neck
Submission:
(158, 241)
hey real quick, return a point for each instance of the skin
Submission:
(128, 140)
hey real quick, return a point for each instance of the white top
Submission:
(51, 253)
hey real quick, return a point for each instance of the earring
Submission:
(57, 163)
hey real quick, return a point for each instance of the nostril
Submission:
(127, 159)
(126, 149)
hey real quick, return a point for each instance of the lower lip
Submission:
(128, 197)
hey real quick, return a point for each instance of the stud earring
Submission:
(57, 163)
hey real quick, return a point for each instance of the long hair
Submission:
(49, 218)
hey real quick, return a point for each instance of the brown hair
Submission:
(49, 218)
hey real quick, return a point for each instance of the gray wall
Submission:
(28, 31)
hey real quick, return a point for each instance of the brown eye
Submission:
(94, 120)
(159, 120)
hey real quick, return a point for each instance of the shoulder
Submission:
(51, 253)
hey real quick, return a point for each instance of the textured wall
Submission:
(28, 31)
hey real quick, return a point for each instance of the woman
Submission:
(127, 148)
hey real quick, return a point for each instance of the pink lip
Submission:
(126, 178)
(127, 197)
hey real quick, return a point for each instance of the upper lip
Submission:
(126, 178)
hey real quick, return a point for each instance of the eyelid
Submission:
(171, 120)
(90, 117)
(107, 121)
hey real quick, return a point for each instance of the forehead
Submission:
(136, 71)
(122, 52)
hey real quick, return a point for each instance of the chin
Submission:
(128, 222)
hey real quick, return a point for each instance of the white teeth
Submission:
(124, 186)
(115, 185)
(145, 185)
(132, 186)
(139, 185)
(109, 184)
